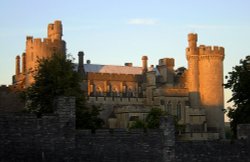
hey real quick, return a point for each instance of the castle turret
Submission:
(55, 31)
(166, 69)
(151, 84)
(211, 86)
(205, 82)
(193, 70)
(170, 70)
(17, 65)
(37, 48)
(144, 64)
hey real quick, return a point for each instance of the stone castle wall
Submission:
(9, 100)
(24, 137)
(243, 131)
(210, 151)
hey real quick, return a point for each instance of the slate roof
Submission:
(114, 69)
(111, 69)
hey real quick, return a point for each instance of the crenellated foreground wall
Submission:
(23, 137)
(212, 151)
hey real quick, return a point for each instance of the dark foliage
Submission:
(239, 83)
(152, 120)
(56, 77)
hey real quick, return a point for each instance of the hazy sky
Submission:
(119, 31)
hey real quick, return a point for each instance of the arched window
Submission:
(178, 113)
(130, 92)
(99, 91)
(32, 56)
(124, 90)
(109, 90)
(92, 90)
(169, 107)
(115, 91)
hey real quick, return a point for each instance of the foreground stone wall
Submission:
(24, 137)
(243, 131)
(212, 151)
(10, 101)
(134, 146)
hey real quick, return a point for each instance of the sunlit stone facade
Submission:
(127, 93)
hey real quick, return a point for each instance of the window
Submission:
(99, 91)
(130, 92)
(178, 110)
(32, 56)
(115, 92)
(124, 89)
(169, 107)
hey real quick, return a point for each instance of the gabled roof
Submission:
(115, 69)
(112, 69)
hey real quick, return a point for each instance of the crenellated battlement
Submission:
(55, 30)
(169, 62)
(211, 50)
(31, 40)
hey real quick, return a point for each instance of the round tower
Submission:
(144, 64)
(211, 86)
(193, 70)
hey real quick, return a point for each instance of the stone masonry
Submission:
(24, 137)
(53, 137)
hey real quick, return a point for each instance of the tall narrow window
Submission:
(130, 92)
(32, 56)
(115, 92)
(99, 91)
(169, 107)
(178, 110)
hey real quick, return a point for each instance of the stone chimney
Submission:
(23, 63)
(17, 65)
(80, 62)
(144, 64)
(129, 64)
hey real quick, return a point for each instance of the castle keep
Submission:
(126, 93)
(37, 48)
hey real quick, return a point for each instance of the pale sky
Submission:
(119, 31)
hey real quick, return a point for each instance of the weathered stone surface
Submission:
(243, 131)
(209, 151)
(23, 137)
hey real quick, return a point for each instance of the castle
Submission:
(126, 93)
(37, 48)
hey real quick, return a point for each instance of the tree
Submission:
(152, 120)
(53, 77)
(56, 77)
(88, 118)
(239, 83)
(138, 124)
